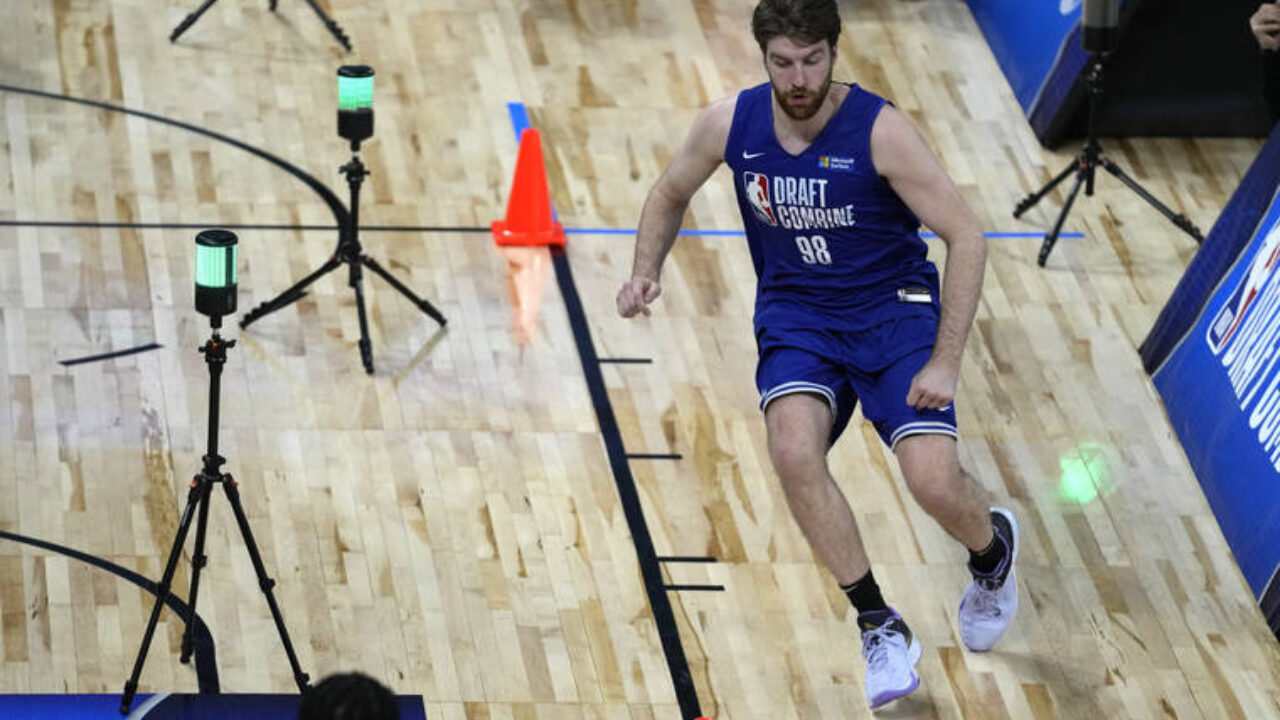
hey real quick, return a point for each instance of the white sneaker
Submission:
(989, 604)
(891, 652)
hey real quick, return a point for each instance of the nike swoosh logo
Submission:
(749, 156)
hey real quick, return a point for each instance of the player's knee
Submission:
(796, 460)
(935, 489)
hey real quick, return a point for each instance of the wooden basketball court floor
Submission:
(453, 524)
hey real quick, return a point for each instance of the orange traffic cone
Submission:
(529, 220)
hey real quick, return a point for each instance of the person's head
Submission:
(798, 40)
(348, 696)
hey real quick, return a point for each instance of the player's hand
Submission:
(1265, 25)
(636, 294)
(934, 387)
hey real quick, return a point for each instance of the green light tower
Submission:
(215, 297)
(216, 274)
(355, 124)
(355, 103)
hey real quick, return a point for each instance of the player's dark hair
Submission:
(807, 21)
(348, 696)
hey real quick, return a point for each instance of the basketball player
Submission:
(832, 183)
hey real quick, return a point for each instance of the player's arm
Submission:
(901, 155)
(699, 155)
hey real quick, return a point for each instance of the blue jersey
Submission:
(831, 241)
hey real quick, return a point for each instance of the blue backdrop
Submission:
(172, 707)
(1026, 37)
(1221, 387)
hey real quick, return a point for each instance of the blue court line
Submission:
(519, 117)
(520, 120)
(422, 228)
(1032, 235)
(740, 233)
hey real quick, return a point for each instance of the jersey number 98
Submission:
(813, 249)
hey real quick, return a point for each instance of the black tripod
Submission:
(215, 355)
(353, 256)
(334, 29)
(1084, 166)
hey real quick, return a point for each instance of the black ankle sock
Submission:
(864, 593)
(988, 559)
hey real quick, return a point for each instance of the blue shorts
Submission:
(874, 365)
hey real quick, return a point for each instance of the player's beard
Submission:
(810, 108)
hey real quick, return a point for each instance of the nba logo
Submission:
(757, 190)
(1228, 319)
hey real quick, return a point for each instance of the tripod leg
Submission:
(1052, 238)
(198, 493)
(366, 347)
(198, 561)
(264, 581)
(292, 295)
(1029, 201)
(334, 29)
(423, 305)
(1182, 221)
(190, 20)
